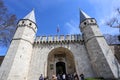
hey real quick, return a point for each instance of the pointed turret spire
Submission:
(83, 16)
(31, 16)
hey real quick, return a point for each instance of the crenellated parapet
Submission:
(58, 38)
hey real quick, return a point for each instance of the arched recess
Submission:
(60, 57)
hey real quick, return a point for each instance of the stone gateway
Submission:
(29, 56)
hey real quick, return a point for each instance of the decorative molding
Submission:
(23, 40)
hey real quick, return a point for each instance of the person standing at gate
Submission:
(58, 77)
(54, 77)
(41, 77)
(64, 76)
(82, 76)
(76, 76)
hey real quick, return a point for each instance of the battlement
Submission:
(58, 38)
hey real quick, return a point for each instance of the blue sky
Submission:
(65, 13)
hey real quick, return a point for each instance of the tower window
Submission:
(22, 22)
(91, 20)
(30, 24)
(85, 23)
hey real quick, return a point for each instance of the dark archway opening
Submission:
(60, 68)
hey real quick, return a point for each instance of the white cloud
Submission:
(72, 27)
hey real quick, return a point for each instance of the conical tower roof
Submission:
(31, 16)
(83, 16)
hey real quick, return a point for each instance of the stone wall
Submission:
(39, 62)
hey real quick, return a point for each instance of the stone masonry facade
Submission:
(29, 56)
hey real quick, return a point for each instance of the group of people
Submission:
(65, 77)
(70, 76)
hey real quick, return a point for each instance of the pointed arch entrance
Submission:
(60, 60)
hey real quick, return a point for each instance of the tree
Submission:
(111, 39)
(7, 25)
(115, 22)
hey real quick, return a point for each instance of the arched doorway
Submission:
(60, 68)
(60, 60)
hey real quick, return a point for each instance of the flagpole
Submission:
(57, 29)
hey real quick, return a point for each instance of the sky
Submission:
(64, 14)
